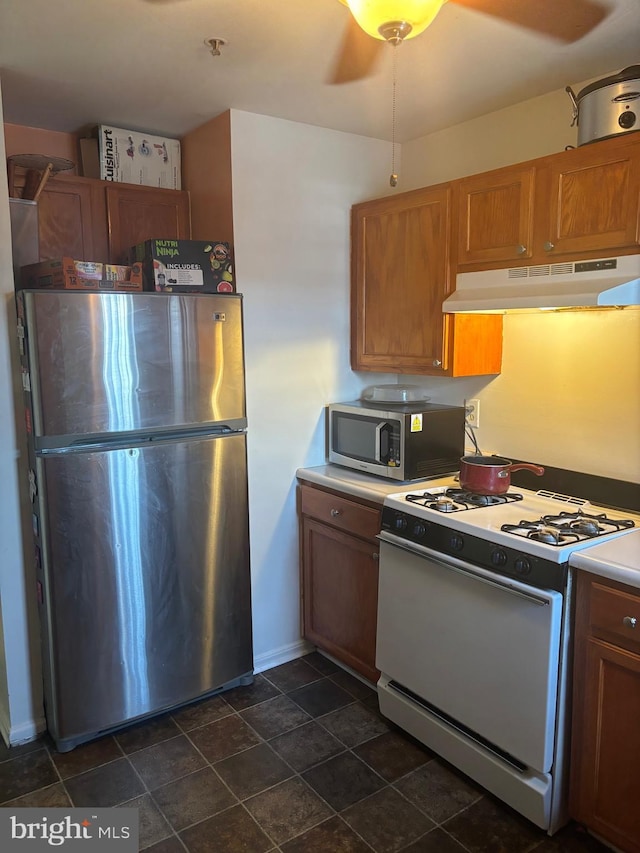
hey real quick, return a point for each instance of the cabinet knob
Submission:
(629, 621)
(521, 250)
(375, 556)
(437, 362)
(335, 513)
(549, 246)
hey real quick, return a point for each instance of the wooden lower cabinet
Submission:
(339, 557)
(605, 766)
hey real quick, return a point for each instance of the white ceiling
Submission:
(143, 65)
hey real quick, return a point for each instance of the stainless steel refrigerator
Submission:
(138, 479)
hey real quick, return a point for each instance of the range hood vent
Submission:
(606, 282)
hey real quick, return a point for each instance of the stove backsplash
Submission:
(603, 491)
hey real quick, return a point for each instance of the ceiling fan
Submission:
(374, 22)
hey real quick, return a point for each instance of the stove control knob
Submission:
(456, 542)
(498, 557)
(400, 522)
(419, 530)
(523, 566)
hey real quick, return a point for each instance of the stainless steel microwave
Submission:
(411, 441)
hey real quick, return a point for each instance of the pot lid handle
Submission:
(574, 101)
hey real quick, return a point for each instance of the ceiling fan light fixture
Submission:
(394, 20)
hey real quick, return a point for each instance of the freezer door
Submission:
(145, 569)
(104, 363)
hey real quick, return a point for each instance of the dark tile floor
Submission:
(299, 762)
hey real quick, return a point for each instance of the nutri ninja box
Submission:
(186, 266)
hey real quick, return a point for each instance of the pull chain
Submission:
(393, 180)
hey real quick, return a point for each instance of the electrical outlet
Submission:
(472, 409)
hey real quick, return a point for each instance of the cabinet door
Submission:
(495, 216)
(340, 595)
(400, 257)
(593, 202)
(607, 791)
(138, 213)
(72, 219)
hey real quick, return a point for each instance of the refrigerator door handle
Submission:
(104, 442)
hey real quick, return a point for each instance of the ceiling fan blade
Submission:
(565, 20)
(358, 56)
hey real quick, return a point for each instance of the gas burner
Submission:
(568, 527)
(551, 535)
(457, 500)
(586, 526)
(443, 504)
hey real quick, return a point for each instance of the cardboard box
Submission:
(186, 266)
(69, 274)
(126, 156)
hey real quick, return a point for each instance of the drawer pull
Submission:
(335, 513)
(630, 621)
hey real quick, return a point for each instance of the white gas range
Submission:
(474, 621)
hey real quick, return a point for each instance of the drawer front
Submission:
(340, 512)
(614, 611)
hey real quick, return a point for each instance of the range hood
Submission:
(578, 284)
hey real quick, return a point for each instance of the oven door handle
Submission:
(420, 552)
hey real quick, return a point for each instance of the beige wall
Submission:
(569, 391)
(206, 174)
(34, 140)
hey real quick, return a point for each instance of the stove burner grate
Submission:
(566, 528)
(458, 500)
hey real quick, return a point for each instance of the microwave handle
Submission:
(382, 434)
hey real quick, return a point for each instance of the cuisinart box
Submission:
(132, 158)
(185, 266)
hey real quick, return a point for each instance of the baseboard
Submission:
(25, 732)
(282, 655)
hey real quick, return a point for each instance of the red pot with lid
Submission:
(491, 475)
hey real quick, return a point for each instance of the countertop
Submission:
(618, 559)
(365, 486)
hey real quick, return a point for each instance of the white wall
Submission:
(568, 394)
(20, 694)
(293, 186)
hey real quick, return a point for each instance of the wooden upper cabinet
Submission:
(400, 276)
(92, 220)
(401, 257)
(134, 216)
(593, 201)
(72, 219)
(578, 204)
(495, 216)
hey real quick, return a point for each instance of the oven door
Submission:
(478, 648)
